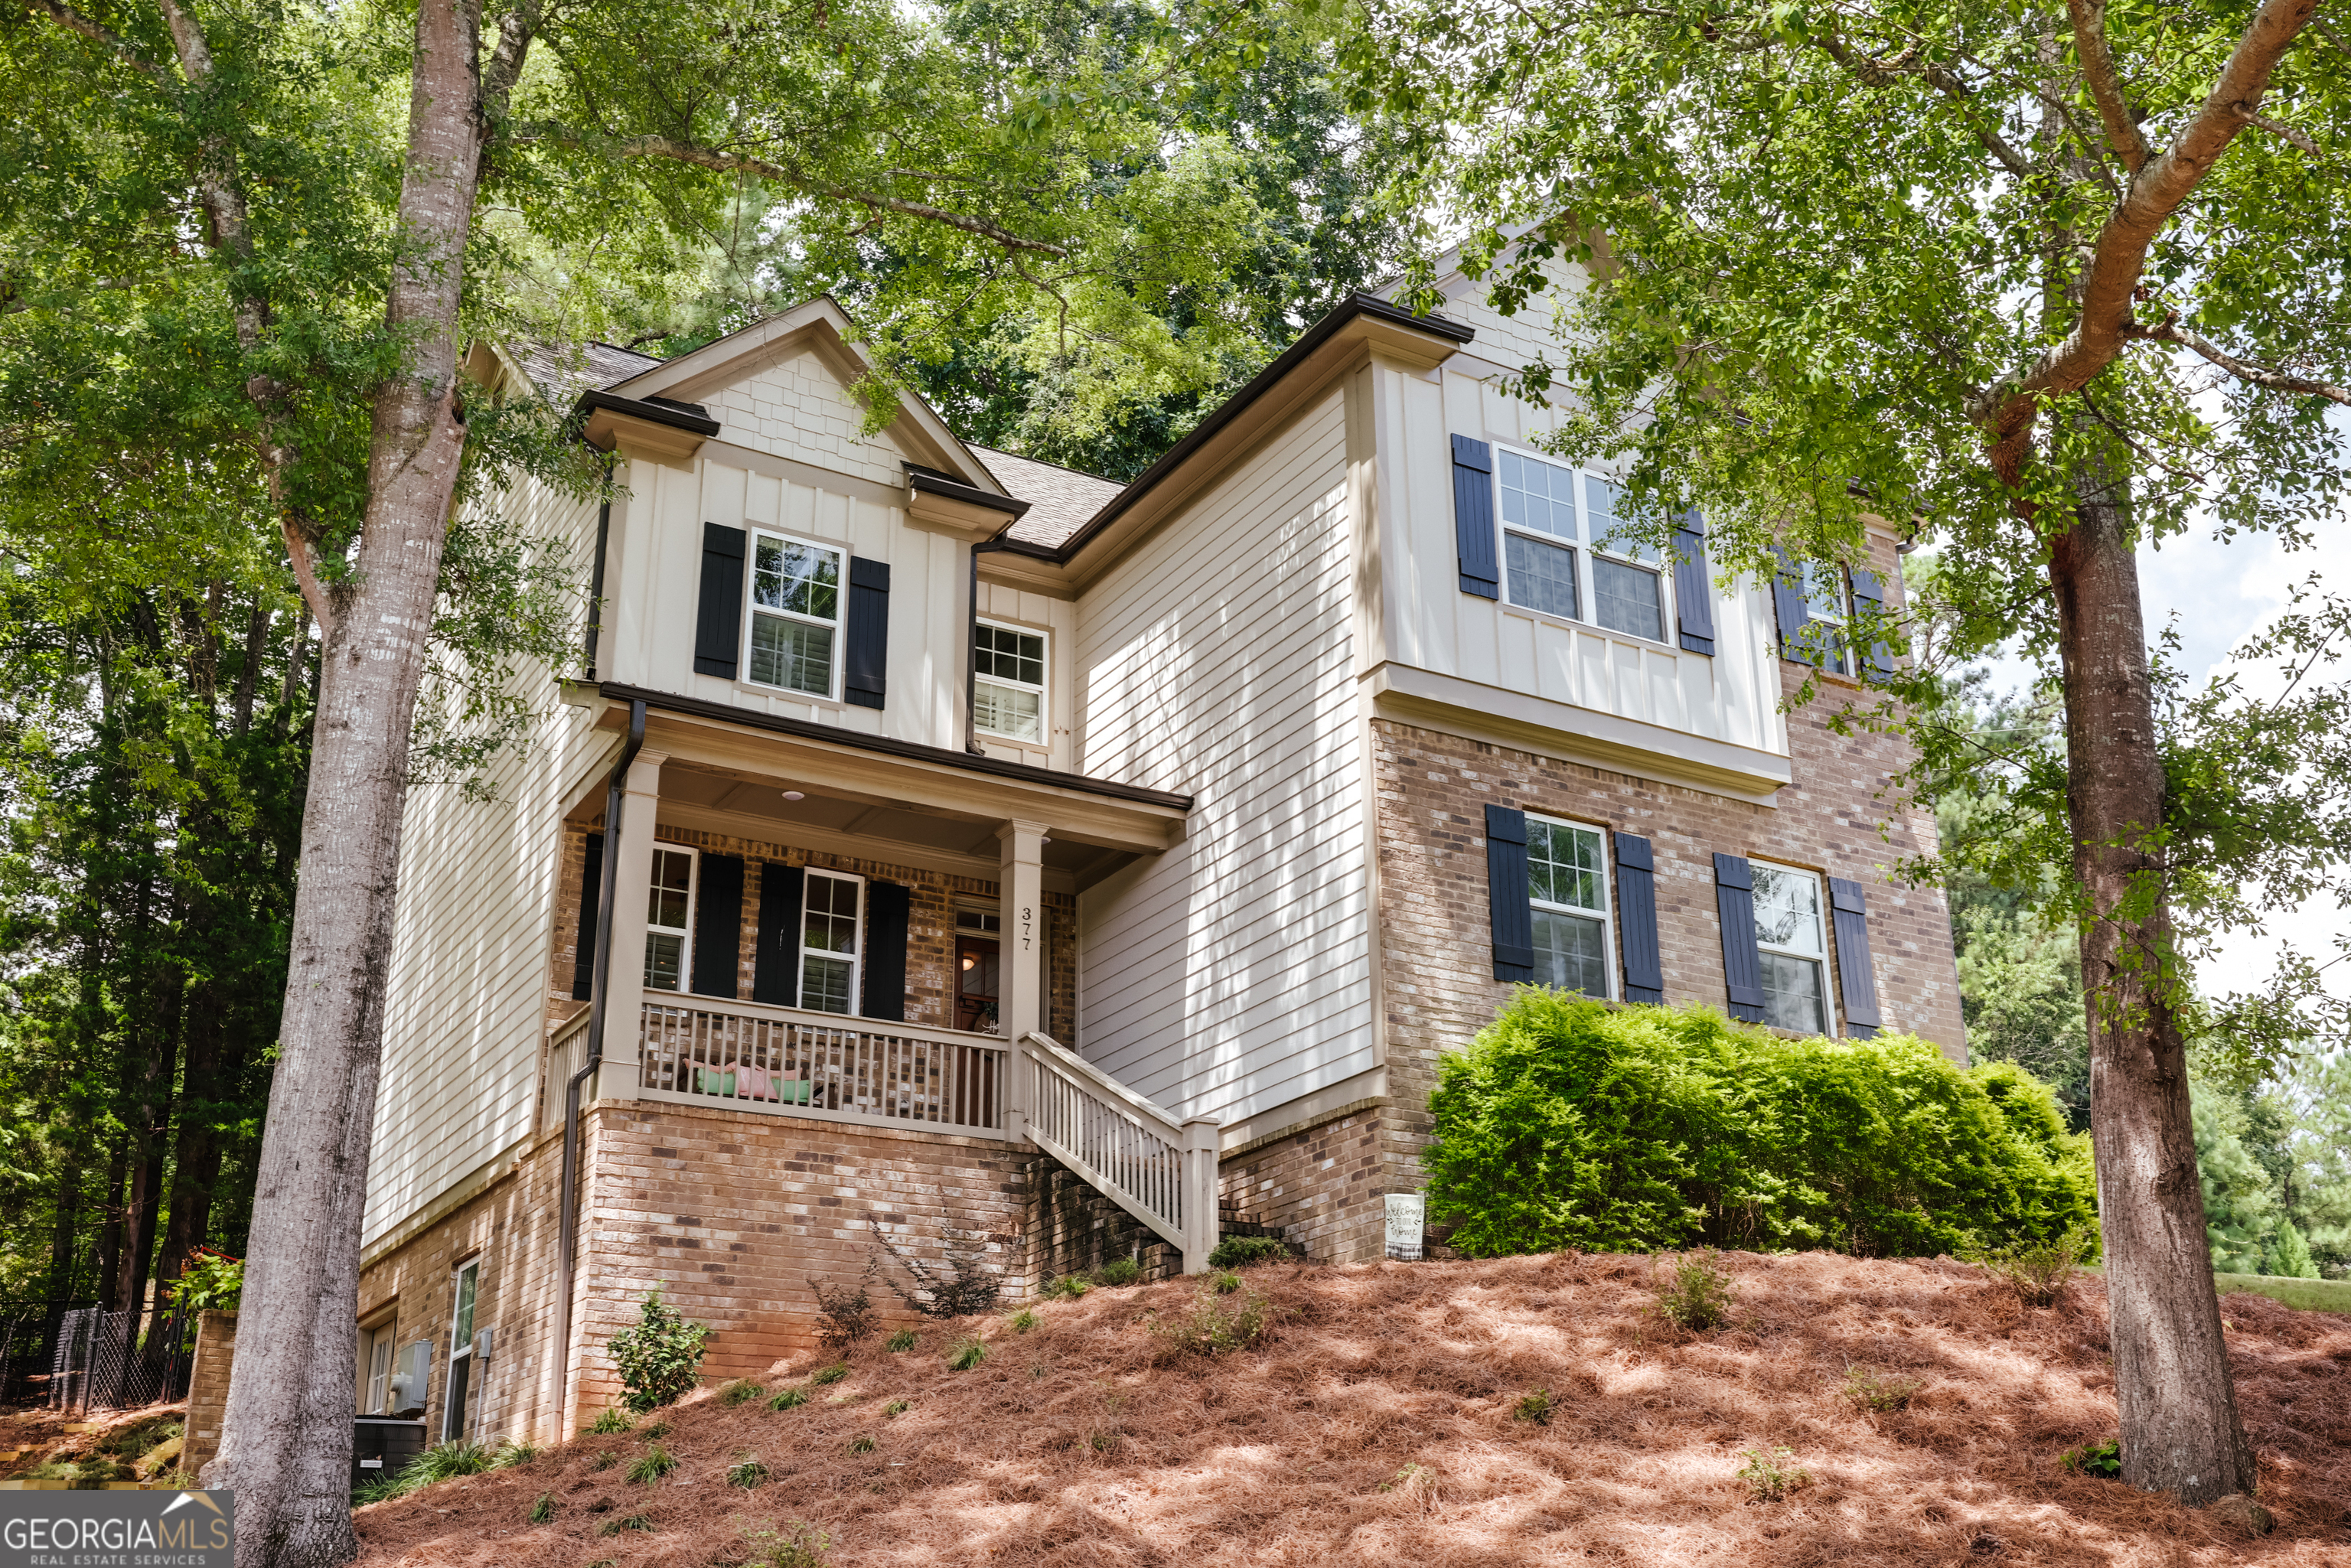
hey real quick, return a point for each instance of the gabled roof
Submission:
(1061, 500)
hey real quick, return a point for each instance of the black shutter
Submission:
(776, 965)
(1636, 920)
(718, 613)
(1869, 599)
(1858, 986)
(1734, 899)
(868, 633)
(583, 951)
(1505, 893)
(719, 926)
(886, 907)
(1473, 518)
(1788, 603)
(1693, 589)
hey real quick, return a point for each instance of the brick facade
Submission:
(207, 1389)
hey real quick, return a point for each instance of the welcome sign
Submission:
(117, 1530)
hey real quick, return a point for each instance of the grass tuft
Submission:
(1119, 1271)
(1867, 1388)
(747, 1471)
(652, 1465)
(904, 1340)
(789, 1399)
(1699, 1295)
(742, 1391)
(1023, 1321)
(968, 1353)
(896, 1407)
(861, 1444)
(543, 1511)
(1773, 1475)
(637, 1521)
(1212, 1326)
(1070, 1286)
(1535, 1407)
(825, 1375)
(610, 1420)
(800, 1545)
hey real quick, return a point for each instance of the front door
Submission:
(975, 965)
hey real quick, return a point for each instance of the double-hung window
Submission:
(669, 918)
(1791, 948)
(1827, 606)
(1567, 885)
(1561, 551)
(461, 1352)
(796, 603)
(1008, 682)
(829, 926)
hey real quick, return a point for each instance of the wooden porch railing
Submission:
(1160, 1170)
(794, 1063)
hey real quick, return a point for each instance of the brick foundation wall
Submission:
(1073, 1230)
(207, 1389)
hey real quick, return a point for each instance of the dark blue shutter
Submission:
(1636, 920)
(1473, 518)
(719, 612)
(583, 951)
(868, 633)
(1693, 588)
(776, 965)
(1868, 601)
(1788, 603)
(887, 904)
(719, 926)
(1506, 895)
(1855, 984)
(1742, 967)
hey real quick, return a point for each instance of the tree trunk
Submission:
(196, 1155)
(67, 1231)
(110, 1239)
(285, 1441)
(2179, 1427)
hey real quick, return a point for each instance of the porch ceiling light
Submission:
(794, 795)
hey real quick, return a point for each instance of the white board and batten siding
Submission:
(828, 485)
(1428, 623)
(1009, 605)
(466, 986)
(1232, 974)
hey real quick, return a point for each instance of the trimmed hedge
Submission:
(1569, 1124)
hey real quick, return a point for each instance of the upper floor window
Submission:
(794, 614)
(1008, 682)
(1567, 885)
(829, 926)
(1561, 551)
(1827, 605)
(669, 911)
(1792, 948)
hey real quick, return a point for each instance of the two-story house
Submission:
(938, 846)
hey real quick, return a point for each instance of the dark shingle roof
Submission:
(1061, 500)
(563, 371)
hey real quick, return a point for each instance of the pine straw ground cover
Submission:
(1378, 1426)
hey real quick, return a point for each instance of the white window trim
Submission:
(1843, 663)
(804, 952)
(1587, 605)
(1605, 913)
(380, 1336)
(1044, 691)
(1834, 1024)
(693, 900)
(752, 609)
(460, 1352)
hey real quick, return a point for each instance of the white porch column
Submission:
(633, 867)
(1020, 978)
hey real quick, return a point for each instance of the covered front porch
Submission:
(824, 928)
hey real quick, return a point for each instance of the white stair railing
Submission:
(1161, 1170)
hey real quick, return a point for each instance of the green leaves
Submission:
(659, 1361)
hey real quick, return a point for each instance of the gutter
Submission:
(599, 991)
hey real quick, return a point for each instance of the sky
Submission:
(2217, 594)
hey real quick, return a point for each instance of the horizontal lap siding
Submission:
(1233, 973)
(466, 992)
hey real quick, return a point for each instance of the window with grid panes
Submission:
(1826, 603)
(828, 943)
(1560, 552)
(1567, 884)
(669, 911)
(1792, 948)
(794, 614)
(1009, 682)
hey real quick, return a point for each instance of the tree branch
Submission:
(2168, 330)
(743, 164)
(2106, 83)
(73, 21)
(2288, 134)
(1872, 72)
(2006, 412)
(314, 593)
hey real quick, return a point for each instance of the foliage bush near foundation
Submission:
(1698, 1295)
(2037, 1271)
(660, 1360)
(1240, 1251)
(1216, 1322)
(1569, 1125)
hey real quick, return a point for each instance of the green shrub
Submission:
(1071, 1286)
(1535, 1407)
(1568, 1125)
(801, 1546)
(1240, 1251)
(1866, 1388)
(1773, 1476)
(1698, 1297)
(1212, 1326)
(790, 1399)
(660, 1360)
(1119, 1271)
(2094, 1460)
(543, 1511)
(902, 1340)
(2037, 1271)
(611, 1419)
(443, 1461)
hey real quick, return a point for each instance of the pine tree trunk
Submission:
(2179, 1427)
(285, 1442)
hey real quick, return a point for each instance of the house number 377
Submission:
(1027, 918)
